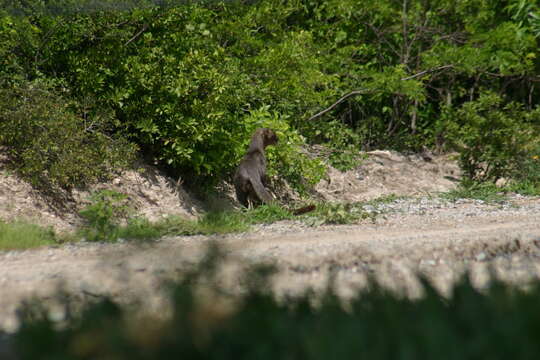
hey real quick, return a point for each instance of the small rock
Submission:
(428, 262)
(481, 257)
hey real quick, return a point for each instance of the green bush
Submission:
(494, 140)
(186, 79)
(51, 146)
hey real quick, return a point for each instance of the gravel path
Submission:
(437, 238)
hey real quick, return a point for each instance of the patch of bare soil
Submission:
(387, 172)
(426, 235)
(149, 193)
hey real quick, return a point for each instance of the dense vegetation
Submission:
(500, 322)
(189, 81)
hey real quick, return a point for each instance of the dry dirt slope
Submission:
(423, 234)
(153, 195)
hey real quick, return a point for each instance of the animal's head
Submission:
(269, 136)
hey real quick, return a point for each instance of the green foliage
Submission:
(337, 213)
(494, 140)
(20, 235)
(176, 226)
(49, 145)
(384, 199)
(209, 224)
(488, 192)
(102, 216)
(526, 14)
(221, 223)
(189, 81)
(266, 214)
(498, 322)
(527, 180)
(525, 187)
(137, 228)
(108, 218)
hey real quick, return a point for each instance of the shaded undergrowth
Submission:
(500, 322)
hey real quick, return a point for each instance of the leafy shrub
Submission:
(49, 145)
(184, 78)
(494, 140)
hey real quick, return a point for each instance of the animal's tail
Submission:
(304, 209)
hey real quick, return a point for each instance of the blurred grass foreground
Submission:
(499, 322)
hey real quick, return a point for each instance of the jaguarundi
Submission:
(250, 178)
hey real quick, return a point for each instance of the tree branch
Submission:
(366, 91)
(427, 72)
(145, 26)
(352, 93)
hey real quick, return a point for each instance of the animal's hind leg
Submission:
(242, 196)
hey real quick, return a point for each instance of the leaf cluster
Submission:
(187, 81)
(494, 140)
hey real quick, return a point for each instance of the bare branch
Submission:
(145, 26)
(366, 91)
(427, 71)
(352, 93)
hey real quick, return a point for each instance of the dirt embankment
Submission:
(424, 234)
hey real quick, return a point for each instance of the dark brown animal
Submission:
(250, 178)
(303, 210)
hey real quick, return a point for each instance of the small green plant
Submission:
(215, 222)
(488, 192)
(346, 159)
(138, 229)
(102, 215)
(337, 213)
(222, 222)
(385, 199)
(527, 180)
(525, 187)
(175, 225)
(23, 235)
